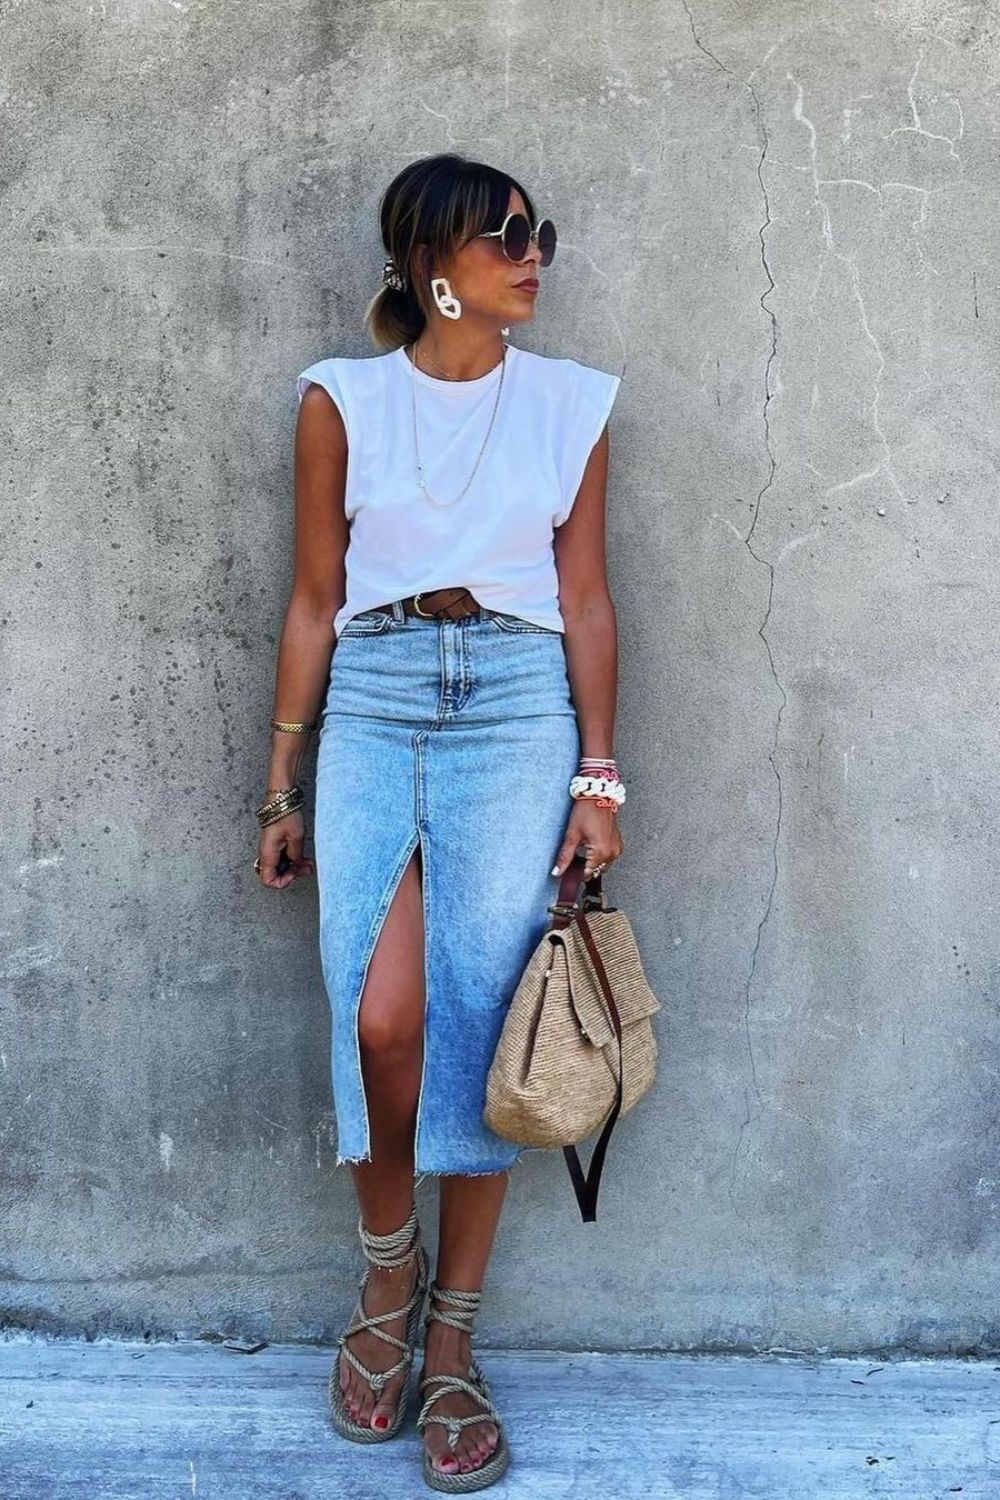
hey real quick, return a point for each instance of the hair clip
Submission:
(391, 276)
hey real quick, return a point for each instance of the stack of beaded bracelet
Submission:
(599, 780)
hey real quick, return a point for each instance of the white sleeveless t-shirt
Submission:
(497, 539)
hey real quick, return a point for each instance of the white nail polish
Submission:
(555, 870)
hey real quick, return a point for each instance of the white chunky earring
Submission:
(445, 298)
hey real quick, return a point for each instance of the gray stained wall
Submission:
(782, 221)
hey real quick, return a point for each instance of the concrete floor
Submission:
(113, 1421)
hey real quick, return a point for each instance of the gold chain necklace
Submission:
(437, 366)
(445, 372)
(416, 441)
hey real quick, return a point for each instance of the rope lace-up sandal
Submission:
(389, 1250)
(465, 1305)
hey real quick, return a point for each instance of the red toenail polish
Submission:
(381, 1421)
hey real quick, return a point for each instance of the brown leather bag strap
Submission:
(570, 907)
(586, 1188)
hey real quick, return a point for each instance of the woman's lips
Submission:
(526, 286)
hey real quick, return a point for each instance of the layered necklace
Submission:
(416, 441)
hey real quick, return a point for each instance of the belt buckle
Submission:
(440, 614)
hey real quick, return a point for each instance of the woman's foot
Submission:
(387, 1288)
(448, 1351)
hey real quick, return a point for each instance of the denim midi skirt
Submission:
(462, 735)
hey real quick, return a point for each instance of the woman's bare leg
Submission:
(390, 1028)
(469, 1214)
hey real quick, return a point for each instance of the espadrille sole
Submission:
(339, 1415)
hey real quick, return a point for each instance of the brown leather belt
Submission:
(449, 603)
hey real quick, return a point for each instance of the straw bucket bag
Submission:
(577, 1046)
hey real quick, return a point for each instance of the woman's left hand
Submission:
(596, 828)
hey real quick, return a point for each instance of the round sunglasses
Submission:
(515, 235)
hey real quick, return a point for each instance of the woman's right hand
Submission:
(284, 837)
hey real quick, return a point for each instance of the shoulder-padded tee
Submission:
(497, 539)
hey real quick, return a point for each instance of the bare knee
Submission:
(391, 1016)
(390, 1031)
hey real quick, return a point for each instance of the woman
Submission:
(449, 557)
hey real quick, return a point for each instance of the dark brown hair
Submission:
(441, 202)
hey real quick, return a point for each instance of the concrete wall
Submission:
(782, 220)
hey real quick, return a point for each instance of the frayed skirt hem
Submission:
(446, 1171)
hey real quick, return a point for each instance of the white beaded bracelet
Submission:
(597, 786)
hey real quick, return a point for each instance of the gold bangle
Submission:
(292, 728)
(276, 817)
(281, 794)
(285, 802)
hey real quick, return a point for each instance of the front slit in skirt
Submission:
(462, 735)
